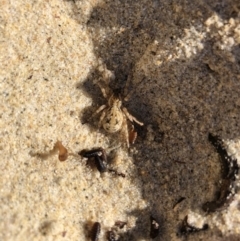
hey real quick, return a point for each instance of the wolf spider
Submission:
(114, 116)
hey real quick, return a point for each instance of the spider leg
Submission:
(132, 134)
(101, 118)
(101, 108)
(115, 146)
(124, 131)
(103, 82)
(105, 89)
(131, 118)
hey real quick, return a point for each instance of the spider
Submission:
(114, 116)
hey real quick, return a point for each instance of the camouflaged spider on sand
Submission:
(114, 116)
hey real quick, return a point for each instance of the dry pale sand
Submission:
(180, 60)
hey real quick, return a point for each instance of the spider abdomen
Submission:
(113, 120)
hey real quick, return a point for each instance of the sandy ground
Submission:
(180, 60)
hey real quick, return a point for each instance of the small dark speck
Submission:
(179, 201)
(96, 229)
(159, 137)
(155, 227)
(48, 39)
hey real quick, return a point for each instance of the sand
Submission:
(180, 62)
